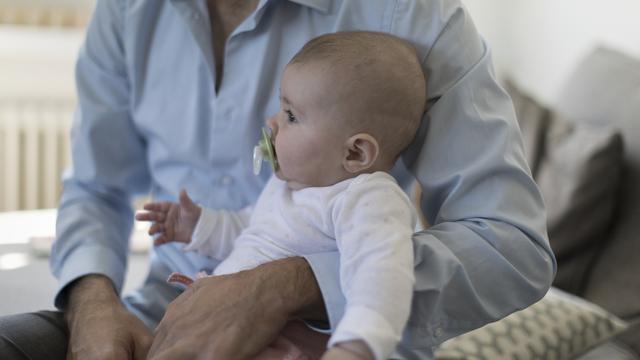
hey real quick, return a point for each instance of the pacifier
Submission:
(264, 151)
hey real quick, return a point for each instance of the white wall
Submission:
(37, 62)
(539, 42)
(536, 42)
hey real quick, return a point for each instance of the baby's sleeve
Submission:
(216, 231)
(374, 222)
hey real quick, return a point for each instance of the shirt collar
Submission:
(321, 5)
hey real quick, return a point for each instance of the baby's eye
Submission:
(290, 117)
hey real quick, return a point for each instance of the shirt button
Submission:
(226, 180)
(438, 332)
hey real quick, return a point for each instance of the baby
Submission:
(349, 104)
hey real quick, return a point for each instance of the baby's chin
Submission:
(296, 185)
(291, 184)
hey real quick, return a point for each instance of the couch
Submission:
(604, 91)
(584, 152)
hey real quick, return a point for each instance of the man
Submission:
(172, 95)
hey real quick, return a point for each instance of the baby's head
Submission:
(349, 104)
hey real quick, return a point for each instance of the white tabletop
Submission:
(26, 283)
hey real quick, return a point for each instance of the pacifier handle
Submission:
(264, 151)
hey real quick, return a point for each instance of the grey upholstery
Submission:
(577, 167)
(578, 174)
(605, 89)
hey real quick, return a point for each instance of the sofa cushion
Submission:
(605, 89)
(533, 119)
(577, 167)
(560, 326)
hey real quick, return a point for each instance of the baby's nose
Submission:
(272, 123)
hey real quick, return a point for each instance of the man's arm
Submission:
(238, 315)
(94, 217)
(471, 268)
(487, 253)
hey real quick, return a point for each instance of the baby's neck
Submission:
(344, 176)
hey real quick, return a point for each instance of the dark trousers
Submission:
(37, 335)
(44, 334)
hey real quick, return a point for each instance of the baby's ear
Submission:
(361, 152)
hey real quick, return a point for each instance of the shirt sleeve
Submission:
(216, 231)
(487, 253)
(95, 217)
(373, 223)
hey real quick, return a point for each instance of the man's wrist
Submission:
(295, 285)
(89, 289)
(356, 347)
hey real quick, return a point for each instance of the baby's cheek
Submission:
(286, 164)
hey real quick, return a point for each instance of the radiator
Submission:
(34, 151)
(58, 13)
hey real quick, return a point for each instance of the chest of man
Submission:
(200, 137)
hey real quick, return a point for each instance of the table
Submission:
(26, 283)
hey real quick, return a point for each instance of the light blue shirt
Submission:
(149, 120)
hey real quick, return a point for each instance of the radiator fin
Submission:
(34, 145)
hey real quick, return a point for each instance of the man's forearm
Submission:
(89, 290)
(291, 280)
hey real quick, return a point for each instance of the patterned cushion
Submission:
(560, 326)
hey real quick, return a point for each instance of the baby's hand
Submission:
(349, 350)
(173, 221)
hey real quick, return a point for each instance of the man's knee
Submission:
(39, 335)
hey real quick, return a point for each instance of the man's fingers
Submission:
(103, 352)
(141, 346)
(172, 353)
(159, 337)
(163, 344)
(156, 345)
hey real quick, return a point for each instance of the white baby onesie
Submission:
(368, 219)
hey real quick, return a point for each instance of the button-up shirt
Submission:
(150, 120)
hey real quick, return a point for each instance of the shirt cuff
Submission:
(362, 323)
(87, 260)
(326, 269)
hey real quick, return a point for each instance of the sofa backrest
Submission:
(605, 89)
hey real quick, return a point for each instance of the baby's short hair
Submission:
(385, 75)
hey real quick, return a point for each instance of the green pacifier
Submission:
(264, 151)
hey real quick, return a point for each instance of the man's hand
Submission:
(349, 350)
(174, 221)
(236, 316)
(99, 325)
